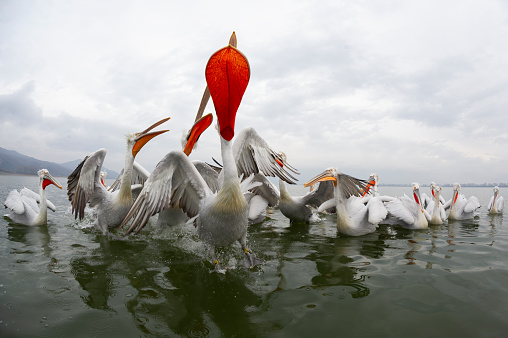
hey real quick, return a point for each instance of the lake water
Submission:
(65, 279)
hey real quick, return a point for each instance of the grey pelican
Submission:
(496, 203)
(299, 208)
(460, 207)
(410, 212)
(221, 218)
(28, 207)
(353, 217)
(84, 186)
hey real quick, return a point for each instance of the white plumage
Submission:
(28, 207)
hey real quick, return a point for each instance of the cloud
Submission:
(412, 90)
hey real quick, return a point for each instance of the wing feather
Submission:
(318, 196)
(139, 176)
(81, 182)
(175, 182)
(253, 155)
(15, 203)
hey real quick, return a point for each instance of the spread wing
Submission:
(175, 182)
(209, 174)
(266, 190)
(82, 182)
(318, 196)
(139, 176)
(402, 208)
(253, 155)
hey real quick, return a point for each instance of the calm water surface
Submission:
(65, 279)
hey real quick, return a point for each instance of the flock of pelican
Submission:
(223, 200)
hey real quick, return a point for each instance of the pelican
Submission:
(299, 208)
(410, 213)
(221, 218)
(496, 202)
(28, 207)
(103, 179)
(435, 207)
(460, 207)
(371, 191)
(353, 217)
(84, 186)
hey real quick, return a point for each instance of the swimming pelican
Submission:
(410, 213)
(299, 208)
(84, 187)
(28, 207)
(496, 203)
(222, 217)
(460, 207)
(435, 207)
(353, 217)
(371, 190)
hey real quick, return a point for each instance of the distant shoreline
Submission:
(447, 185)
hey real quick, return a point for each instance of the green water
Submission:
(64, 279)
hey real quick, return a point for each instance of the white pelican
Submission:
(28, 207)
(222, 217)
(84, 186)
(371, 191)
(353, 217)
(496, 202)
(103, 179)
(410, 212)
(460, 207)
(435, 207)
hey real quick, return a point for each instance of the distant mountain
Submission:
(12, 162)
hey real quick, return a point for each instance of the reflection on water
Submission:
(59, 279)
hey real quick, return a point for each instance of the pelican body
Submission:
(84, 184)
(410, 212)
(28, 207)
(496, 203)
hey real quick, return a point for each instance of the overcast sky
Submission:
(412, 90)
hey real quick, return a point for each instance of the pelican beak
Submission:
(145, 136)
(326, 175)
(195, 132)
(367, 188)
(47, 179)
(227, 75)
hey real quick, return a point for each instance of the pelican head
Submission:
(46, 179)
(138, 140)
(373, 181)
(227, 75)
(416, 194)
(195, 132)
(496, 190)
(330, 174)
